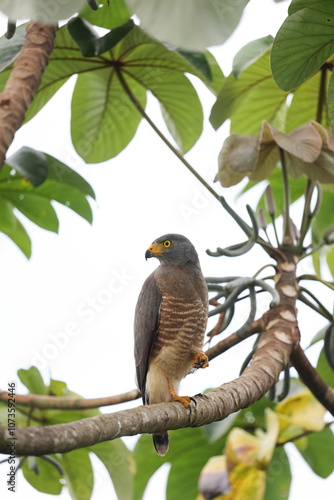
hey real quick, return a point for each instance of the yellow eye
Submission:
(167, 243)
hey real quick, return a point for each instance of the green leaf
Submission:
(110, 94)
(10, 49)
(110, 14)
(104, 119)
(12, 227)
(249, 99)
(303, 43)
(42, 475)
(65, 61)
(108, 105)
(88, 40)
(330, 98)
(297, 5)
(33, 380)
(58, 388)
(31, 164)
(186, 465)
(177, 112)
(325, 217)
(17, 192)
(35, 208)
(61, 173)
(304, 104)
(250, 53)
(199, 61)
(330, 259)
(78, 473)
(278, 476)
(207, 68)
(120, 465)
(325, 370)
(318, 451)
(217, 76)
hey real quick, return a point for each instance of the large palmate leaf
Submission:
(109, 98)
(107, 105)
(250, 95)
(303, 43)
(249, 99)
(29, 181)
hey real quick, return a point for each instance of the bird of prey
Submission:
(170, 322)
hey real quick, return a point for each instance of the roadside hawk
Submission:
(170, 322)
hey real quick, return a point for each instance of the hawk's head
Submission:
(173, 250)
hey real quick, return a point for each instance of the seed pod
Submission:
(270, 201)
(261, 219)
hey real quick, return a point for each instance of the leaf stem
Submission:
(266, 246)
(162, 136)
(286, 188)
(322, 93)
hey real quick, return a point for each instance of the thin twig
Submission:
(65, 403)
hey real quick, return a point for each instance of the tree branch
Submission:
(24, 81)
(65, 403)
(269, 360)
(311, 378)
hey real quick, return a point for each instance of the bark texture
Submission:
(278, 345)
(24, 81)
(214, 406)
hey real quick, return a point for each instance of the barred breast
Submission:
(183, 319)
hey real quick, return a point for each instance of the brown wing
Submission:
(145, 328)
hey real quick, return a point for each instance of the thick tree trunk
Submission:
(24, 81)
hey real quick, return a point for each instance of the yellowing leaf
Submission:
(268, 439)
(237, 158)
(214, 480)
(253, 451)
(302, 410)
(308, 150)
(304, 142)
(247, 483)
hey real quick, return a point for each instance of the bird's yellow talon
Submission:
(200, 360)
(185, 400)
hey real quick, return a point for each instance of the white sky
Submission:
(87, 278)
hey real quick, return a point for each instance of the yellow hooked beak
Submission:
(153, 250)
